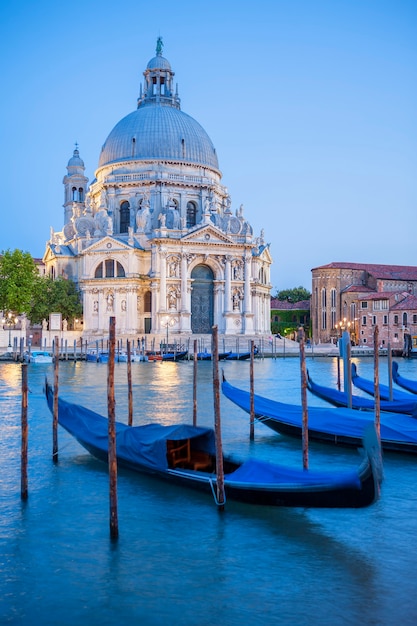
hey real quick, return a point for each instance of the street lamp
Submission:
(342, 326)
(167, 322)
(8, 322)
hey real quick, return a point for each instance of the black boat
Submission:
(368, 386)
(167, 356)
(329, 425)
(240, 356)
(185, 455)
(405, 383)
(341, 399)
(206, 356)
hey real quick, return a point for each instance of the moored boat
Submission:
(97, 357)
(185, 455)
(38, 356)
(167, 356)
(333, 425)
(405, 383)
(368, 386)
(206, 356)
(341, 399)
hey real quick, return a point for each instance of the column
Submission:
(247, 303)
(162, 280)
(184, 282)
(227, 274)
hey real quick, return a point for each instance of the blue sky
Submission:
(311, 106)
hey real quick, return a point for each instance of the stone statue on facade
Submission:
(110, 301)
(103, 223)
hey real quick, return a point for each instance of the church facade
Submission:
(153, 240)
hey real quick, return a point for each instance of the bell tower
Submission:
(75, 186)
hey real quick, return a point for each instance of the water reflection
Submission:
(177, 558)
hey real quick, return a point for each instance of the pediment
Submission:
(107, 244)
(265, 254)
(207, 234)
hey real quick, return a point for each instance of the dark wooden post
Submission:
(349, 370)
(129, 383)
(195, 384)
(252, 392)
(376, 383)
(391, 395)
(304, 397)
(338, 372)
(217, 423)
(112, 457)
(55, 413)
(24, 455)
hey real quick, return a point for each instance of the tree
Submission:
(297, 294)
(55, 296)
(18, 276)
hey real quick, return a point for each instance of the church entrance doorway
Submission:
(202, 300)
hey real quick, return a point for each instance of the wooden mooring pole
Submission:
(376, 383)
(252, 392)
(195, 384)
(24, 454)
(391, 393)
(217, 422)
(112, 457)
(55, 411)
(129, 383)
(304, 397)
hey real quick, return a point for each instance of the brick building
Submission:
(287, 317)
(357, 297)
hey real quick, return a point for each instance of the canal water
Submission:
(178, 560)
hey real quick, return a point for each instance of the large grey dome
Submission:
(158, 129)
(159, 132)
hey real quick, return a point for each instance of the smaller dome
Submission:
(159, 63)
(76, 160)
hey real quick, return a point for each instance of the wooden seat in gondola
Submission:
(179, 454)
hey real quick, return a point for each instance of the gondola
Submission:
(405, 383)
(384, 391)
(185, 455)
(328, 425)
(240, 356)
(206, 356)
(97, 357)
(341, 399)
(168, 356)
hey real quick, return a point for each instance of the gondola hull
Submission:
(405, 383)
(147, 449)
(341, 399)
(338, 426)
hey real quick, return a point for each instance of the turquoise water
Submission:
(179, 560)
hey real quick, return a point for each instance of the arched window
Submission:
(191, 214)
(148, 302)
(405, 318)
(109, 269)
(80, 194)
(74, 194)
(124, 217)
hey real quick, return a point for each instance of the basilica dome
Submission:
(159, 132)
(158, 129)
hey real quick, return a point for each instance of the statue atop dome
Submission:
(159, 46)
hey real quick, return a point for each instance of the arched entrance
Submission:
(202, 299)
